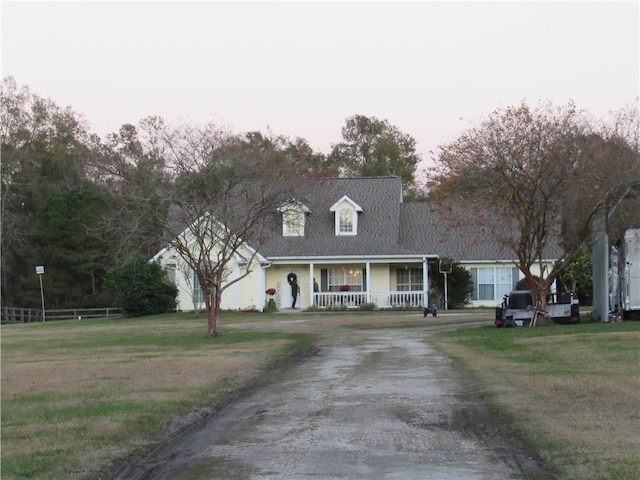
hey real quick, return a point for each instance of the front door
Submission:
(286, 300)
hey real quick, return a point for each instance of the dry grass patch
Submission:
(76, 395)
(23, 376)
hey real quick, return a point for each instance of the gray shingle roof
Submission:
(436, 229)
(424, 228)
(386, 227)
(378, 224)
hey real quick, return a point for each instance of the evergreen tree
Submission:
(72, 242)
(374, 147)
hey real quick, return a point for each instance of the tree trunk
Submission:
(212, 322)
(543, 308)
(538, 294)
(213, 312)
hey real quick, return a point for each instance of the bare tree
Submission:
(622, 209)
(534, 178)
(227, 192)
(15, 134)
(131, 166)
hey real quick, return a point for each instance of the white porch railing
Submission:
(397, 299)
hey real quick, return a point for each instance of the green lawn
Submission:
(573, 390)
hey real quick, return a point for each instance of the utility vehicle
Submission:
(517, 309)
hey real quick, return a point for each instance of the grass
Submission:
(77, 395)
(573, 390)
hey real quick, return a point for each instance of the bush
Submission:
(459, 288)
(142, 288)
(367, 306)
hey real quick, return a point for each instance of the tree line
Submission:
(88, 209)
(83, 206)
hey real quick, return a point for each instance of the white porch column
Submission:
(425, 282)
(368, 268)
(262, 281)
(311, 292)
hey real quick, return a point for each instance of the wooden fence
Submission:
(20, 315)
(26, 315)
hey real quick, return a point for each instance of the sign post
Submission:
(40, 272)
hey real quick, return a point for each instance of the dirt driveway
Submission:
(371, 404)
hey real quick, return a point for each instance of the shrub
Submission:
(459, 288)
(367, 306)
(142, 288)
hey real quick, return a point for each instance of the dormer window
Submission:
(345, 221)
(293, 219)
(293, 223)
(346, 216)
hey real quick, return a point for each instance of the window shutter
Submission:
(324, 279)
(364, 279)
(474, 279)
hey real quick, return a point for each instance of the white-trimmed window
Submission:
(198, 296)
(293, 223)
(409, 279)
(337, 277)
(345, 221)
(346, 216)
(493, 283)
(293, 219)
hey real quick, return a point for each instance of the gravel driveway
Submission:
(372, 404)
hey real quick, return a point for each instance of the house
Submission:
(361, 244)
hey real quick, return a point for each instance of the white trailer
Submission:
(629, 268)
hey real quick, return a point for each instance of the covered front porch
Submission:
(340, 283)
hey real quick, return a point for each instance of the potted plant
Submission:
(271, 304)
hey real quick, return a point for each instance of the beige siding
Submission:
(273, 280)
(247, 291)
(242, 295)
(380, 281)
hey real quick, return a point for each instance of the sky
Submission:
(300, 69)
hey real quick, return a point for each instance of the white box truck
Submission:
(629, 268)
